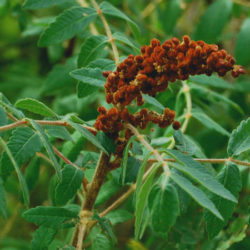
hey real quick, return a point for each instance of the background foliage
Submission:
(47, 62)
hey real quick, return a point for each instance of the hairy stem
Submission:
(108, 31)
(188, 115)
(243, 163)
(43, 123)
(64, 158)
(98, 179)
(93, 189)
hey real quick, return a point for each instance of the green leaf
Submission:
(242, 49)
(3, 118)
(213, 21)
(59, 77)
(71, 149)
(67, 25)
(163, 205)
(35, 106)
(47, 146)
(120, 37)
(124, 163)
(90, 159)
(42, 238)
(208, 122)
(106, 227)
(52, 217)
(87, 135)
(183, 144)
(2, 199)
(101, 242)
(89, 76)
(151, 100)
(23, 144)
(229, 176)
(108, 189)
(132, 169)
(32, 172)
(214, 97)
(199, 173)
(9, 107)
(239, 140)
(109, 9)
(139, 179)
(91, 80)
(213, 81)
(106, 142)
(119, 216)
(103, 64)
(196, 193)
(169, 14)
(21, 179)
(58, 132)
(141, 201)
(70, 183)
(38, 4)
(91, 49)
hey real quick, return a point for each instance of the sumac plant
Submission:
(109, 152)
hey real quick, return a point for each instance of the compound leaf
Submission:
(195, 170)
(196, 193)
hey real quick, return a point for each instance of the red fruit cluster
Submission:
(158, 64)
(113, 120)
(149, 73)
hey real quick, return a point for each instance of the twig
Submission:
(43, 123)
(119, 200)
(64, 158)
(81, 233)
(11, 117)
(188, 115)
(242, 2)
(243, 163)
(108, 31)
(43, 156)
(13, 125)
(149, 8)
